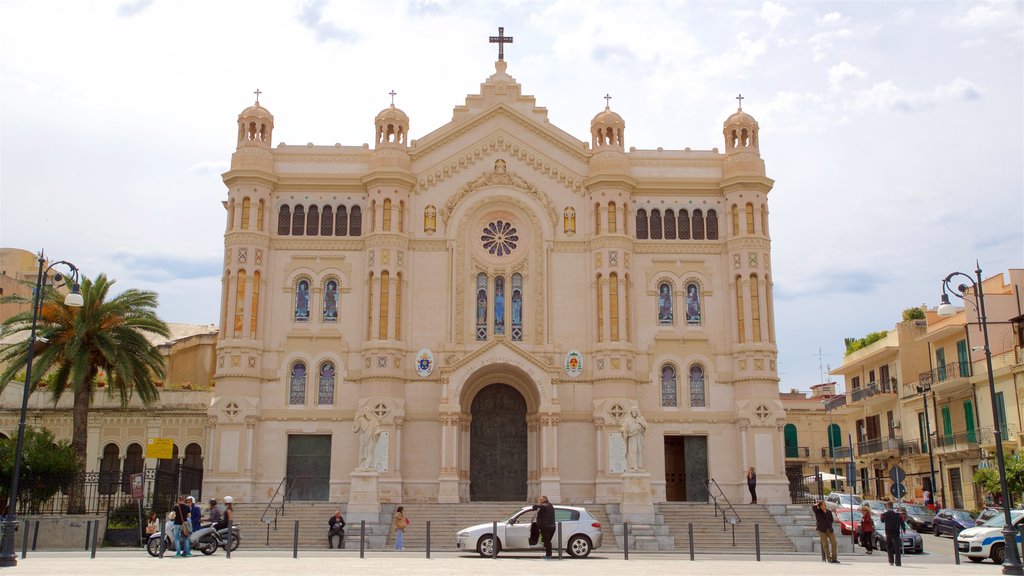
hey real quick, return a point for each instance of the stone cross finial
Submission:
(607, 100)
(392, 93)
(501, 40)
(257, 93)
(739, 99)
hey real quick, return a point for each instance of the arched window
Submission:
(110, 469)
(134, 463)
(255, 306)
(302, 301)
(398, 306)
(284, 220)
(698, 396)
(764, 219)
(755, 308)
(735, 220)
(750, 218)
(641, 224)
(835, 439)
(239, 303)
(325, 391)
(517, 306)
(481, 306)
(299, 221)
(692, 304)
(613, 225)
(684, 225)
(613, 306)
(193, 456)
(665, 304)
(387, 215)
(330, 313)
(499, 305)
(246, 206)
(789, 436)
(597, 218)
(697, 225)
(385, 294)
(327, 221)
(669, 390)
(712, 225)
(600, 309)
(401, 216)
(259, 215)
(297, 386)
(670, 225)
(355, 225)
(741, 336)
(341, 221)
(655, 225)
(313, 221)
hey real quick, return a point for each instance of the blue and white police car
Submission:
(986, 541)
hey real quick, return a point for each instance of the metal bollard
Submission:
(163, 536)
(95, 533)
(757, 542)
(625, 540)
(494, 540)
(956, 547)
(689, 530)
(559, 540)
(733, 533)
(24, 541)
(35, 536)
(295, 541)
(88, 531)
(428, 539)
(362, 538)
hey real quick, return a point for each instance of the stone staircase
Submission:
(710, 538)
(797, 521)
(645, 537)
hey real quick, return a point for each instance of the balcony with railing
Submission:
(947, 373)
(838, 453)
(957, 441)
(878, 446)
(987, 436)
(875, 391)
(801, 452)
(908, 447)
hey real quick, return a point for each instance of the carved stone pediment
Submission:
(500, 176)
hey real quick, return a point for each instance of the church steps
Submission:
(708, 535)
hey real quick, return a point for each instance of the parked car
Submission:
(848, 523)
(877, 506)
(986, 541)
(581, 533)
(950, 521)
(986, 514)
(842, 500)
(919, 517)
(911, 539)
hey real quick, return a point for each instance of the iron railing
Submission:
(729, 513)
(945, 372)
(873, 389)
(876, 445)
(798, 452)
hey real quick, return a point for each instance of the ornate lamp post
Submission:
(1011, 562)
(8, 557)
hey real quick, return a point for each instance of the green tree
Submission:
(47, 467)
(854, 344)
(105, 339)
(988, 477)
(913, 314)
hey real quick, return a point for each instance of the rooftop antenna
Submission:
(821, 374)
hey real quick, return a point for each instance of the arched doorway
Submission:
(497, 445)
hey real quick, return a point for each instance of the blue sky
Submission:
(893, 130)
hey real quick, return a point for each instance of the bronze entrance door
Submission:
(497, 445)
(686, 468)
(309, 466)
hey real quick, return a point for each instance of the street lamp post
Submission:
(1011, 562)
(923, 391)
(8, 557)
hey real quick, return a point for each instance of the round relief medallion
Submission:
(499, 238)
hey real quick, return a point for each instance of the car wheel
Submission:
(936, 530)
(880, 544)
(975, 559)
(998, 553)
(579, 546)
(485, 546)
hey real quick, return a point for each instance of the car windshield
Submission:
(844, 515)
(845, 499)
(963, 516)
(998, 520)
(918, 510)
(511, 516)
(876, 505)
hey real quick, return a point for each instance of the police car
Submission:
(986, 541)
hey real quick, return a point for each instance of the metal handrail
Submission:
(279, 510)
(721, 494)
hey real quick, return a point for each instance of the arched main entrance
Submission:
(497, 445)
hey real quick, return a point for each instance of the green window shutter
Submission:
(972, 437)
(962, 358)
(790, 438)
(947, 425)
(940, 364)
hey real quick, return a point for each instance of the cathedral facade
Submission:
(472, 315)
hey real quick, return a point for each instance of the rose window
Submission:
(499, 238)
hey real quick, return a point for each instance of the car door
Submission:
(570, 520)
(942, 522)
(517, 530)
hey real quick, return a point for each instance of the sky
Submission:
(894, 131)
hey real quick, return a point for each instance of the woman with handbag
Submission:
(398, 524)
(867, 530)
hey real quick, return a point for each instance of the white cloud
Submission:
(840, 72)
(887, 96)
(986, 15)
(830, 18)
(209, 167)
(774, 13)
(822, 42)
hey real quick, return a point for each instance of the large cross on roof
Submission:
(501, 40)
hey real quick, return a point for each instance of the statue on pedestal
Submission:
(634, 427)
(368, 428)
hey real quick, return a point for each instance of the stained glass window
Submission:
(669, 394)
(297, 389)
(665, 304)
(481, 306)
(517, 306)
(330, 300)
(692, 304)
(255, 308)
(697, 394)
(499, 238)
(302, 301)
(325, 392)
(499, 305)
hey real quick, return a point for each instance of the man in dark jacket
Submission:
(546, 522)
(336, 528)
(893, 525)
(823, 519)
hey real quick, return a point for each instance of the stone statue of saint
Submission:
(634, 427)
(368, 428)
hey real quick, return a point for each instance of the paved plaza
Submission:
(414, 563)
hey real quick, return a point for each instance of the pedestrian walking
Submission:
(398, 524)
(893, 523)
(867, 530)
(823, 519)
(752, 485)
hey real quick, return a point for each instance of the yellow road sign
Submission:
(162, 448)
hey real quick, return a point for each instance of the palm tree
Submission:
(77, 347)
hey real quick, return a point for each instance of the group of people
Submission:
(892, 522)
(186, 517)
(336, 528)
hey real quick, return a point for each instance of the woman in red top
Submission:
(867, 530)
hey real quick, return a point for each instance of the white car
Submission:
(842, 500)
(581, 532)
(986, 541)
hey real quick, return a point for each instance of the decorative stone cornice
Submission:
(499, 177)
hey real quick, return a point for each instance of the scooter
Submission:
(205, 540)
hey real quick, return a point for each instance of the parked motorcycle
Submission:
(205, 540)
